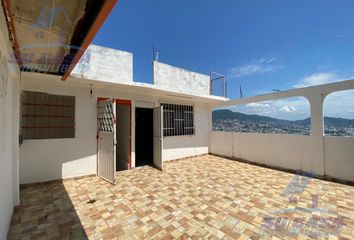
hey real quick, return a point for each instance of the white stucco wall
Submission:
(185, 146)
(287, 151)
(180, 80)
(339, 157)
(105, 64)
(9, 91)
(315, 95)
(49, 159)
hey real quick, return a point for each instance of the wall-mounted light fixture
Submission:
(91, 90)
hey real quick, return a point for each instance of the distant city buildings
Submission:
(339, 131)
(245, 126)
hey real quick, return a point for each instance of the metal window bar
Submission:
(105, 116)
(178, 120)
(188, 114)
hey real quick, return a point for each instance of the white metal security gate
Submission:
(106, 139)
(158, 137)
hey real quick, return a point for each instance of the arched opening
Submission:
(338, 111)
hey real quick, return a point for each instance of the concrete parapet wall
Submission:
(292, 152)
(180, 80)
(105, 64)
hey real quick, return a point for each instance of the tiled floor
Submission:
(200, 198)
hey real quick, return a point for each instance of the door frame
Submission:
(128, 103)
(112, 100)
(119, 102)
(158, 137)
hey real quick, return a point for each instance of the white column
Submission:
(317, 132)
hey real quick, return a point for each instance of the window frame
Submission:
(174, 130)
(57, 120)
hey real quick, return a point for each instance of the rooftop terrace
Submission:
(200, 197)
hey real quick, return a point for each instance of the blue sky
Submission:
(262, 45)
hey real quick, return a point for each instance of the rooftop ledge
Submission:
(115, 66)
(131, 87)
(306, 92)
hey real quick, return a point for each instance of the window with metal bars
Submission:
(46, 116)
(178, 120)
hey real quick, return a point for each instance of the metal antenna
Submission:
(214, 77)
(155, 54)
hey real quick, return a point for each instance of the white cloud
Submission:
(266, 60)
(258, 105)
(339, 104)
(293, 108)
(316, 79)
(288, 109)
(257, 66)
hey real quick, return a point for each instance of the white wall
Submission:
(339, 157)
(221, 143)
(180, 80)
(9, 115)
(287, 151)
(49, 159)
(105, 64)
(185, 146)
(315, 95)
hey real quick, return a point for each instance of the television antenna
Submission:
(155, 54)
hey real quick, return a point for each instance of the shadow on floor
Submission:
(45, 212)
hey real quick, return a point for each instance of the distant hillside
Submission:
(225, 114)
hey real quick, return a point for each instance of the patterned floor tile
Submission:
(203, 197)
